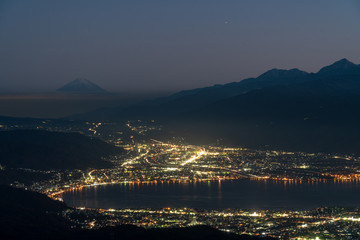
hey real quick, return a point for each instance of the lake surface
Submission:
(214, 195)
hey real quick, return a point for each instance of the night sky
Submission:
(169, 45)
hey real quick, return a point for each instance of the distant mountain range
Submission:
(338, 79)
(288, 109)
(81, 85)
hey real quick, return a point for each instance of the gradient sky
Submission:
(168, 45)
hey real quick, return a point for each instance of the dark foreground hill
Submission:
(31, 215)
(53, 150)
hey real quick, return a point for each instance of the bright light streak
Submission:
(195, 157)
(130, 161)
(91, 177)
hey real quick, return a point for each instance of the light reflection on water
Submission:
(218, 195)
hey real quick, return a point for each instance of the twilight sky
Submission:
(167, 45)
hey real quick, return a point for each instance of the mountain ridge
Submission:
(190, 100)
(339, 67)
(280, 109)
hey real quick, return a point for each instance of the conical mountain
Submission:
(81, 85)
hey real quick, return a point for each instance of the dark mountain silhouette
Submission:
(29, 200)
(341, 67)
(324, 98)
(184, 101)
(320, 114)
(53, 150)
(31, 215)
(288, 109)
(269, 78)
(81, 85)
(340, 78)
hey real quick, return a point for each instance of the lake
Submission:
(247, 194)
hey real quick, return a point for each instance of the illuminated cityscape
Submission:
(157, 162)
(321, 223)
(195, 120)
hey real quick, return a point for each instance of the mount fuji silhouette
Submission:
(81, 85)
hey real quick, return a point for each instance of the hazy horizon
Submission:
(57, 104)
(129, 93)
(158, 46)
